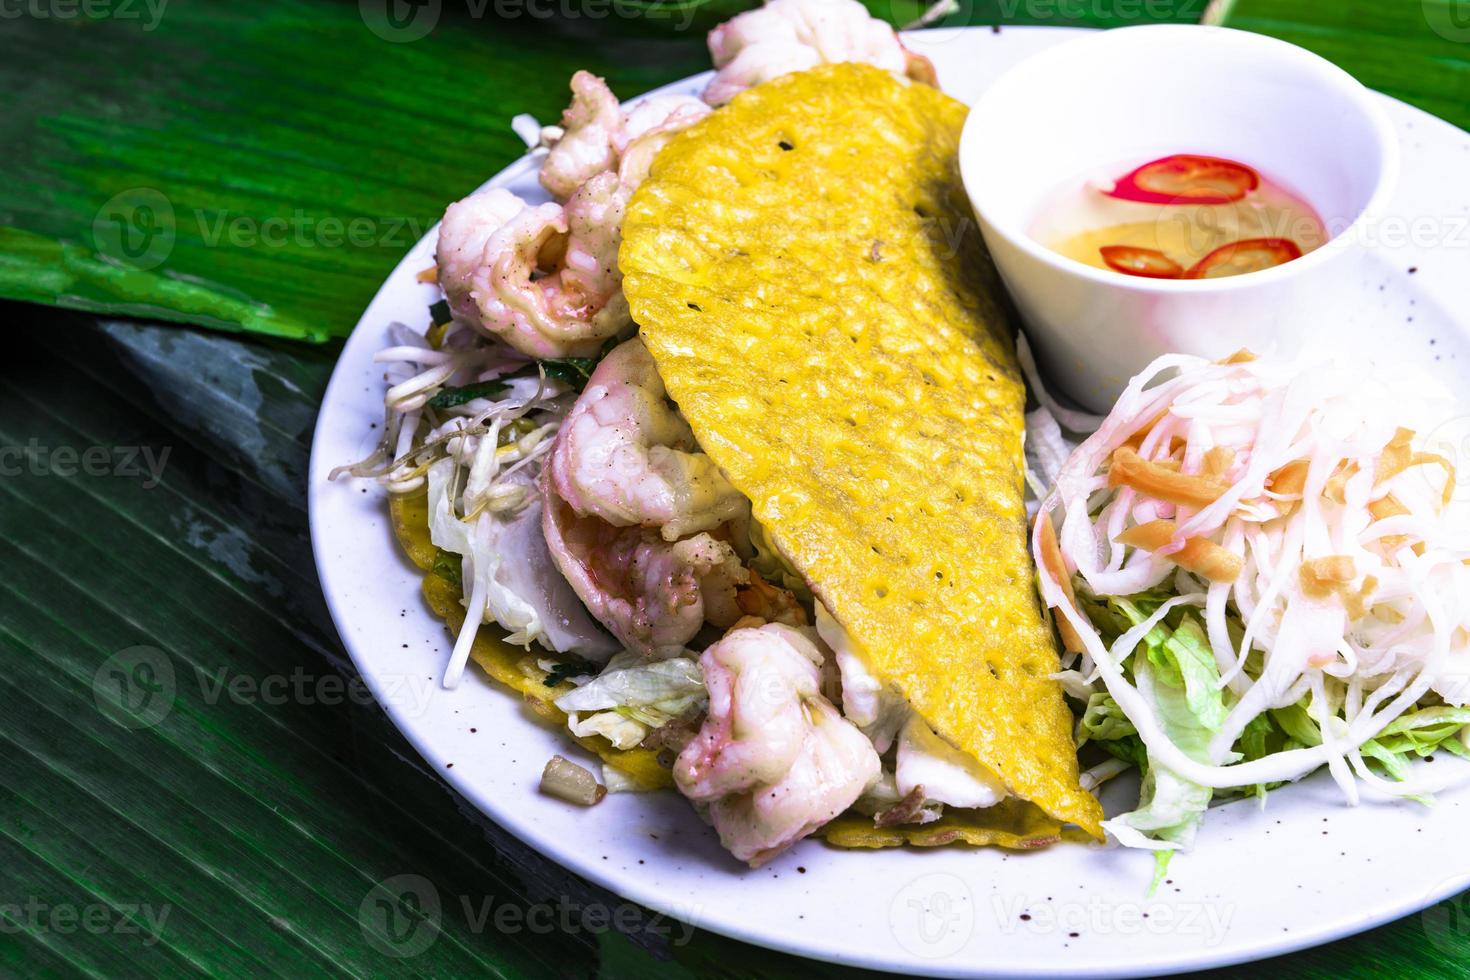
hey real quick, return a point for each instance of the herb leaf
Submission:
(448, 565)
(574, 371)
(570, 371)
(451, 397)
(568, 668)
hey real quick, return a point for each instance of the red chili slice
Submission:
(1147, 262)
(1247, 255)
(1186, 178)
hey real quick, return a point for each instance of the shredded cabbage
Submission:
(633, 696)
(474, 420)
(1266, 566)
(509, 578)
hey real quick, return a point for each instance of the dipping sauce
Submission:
(1184, 216)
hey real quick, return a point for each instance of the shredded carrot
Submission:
(1242, 356)
(1332, 575)
(1390, 506)
(1336, 488)
(1290, 479)
(431, 274)
(1387, 506)
(1321, 577)
(1199, 555)
(1396, 455)
(1135, 441)
(1399, 455)
(1218, 461)
(1358, 603)
(1051, 560)
(1162, 483)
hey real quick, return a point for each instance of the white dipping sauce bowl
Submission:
(1140, 93)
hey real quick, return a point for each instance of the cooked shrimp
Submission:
(583, 148)
(596, 135)
(650, 126)
(655, 113)
(793, 35)
(773, 760)
(548, 282)
(653, 595)
(626, 456)
(463, 234)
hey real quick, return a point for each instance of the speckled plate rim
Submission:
(1260, 883)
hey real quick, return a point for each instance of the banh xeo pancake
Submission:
(506, 663)
(1010, 824)
(803, 268)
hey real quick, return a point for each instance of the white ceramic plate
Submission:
(1304, 870)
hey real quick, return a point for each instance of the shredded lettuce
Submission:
(633, 696)
(1169, 806)
(1174, 666)
(623, 733)
(1418, 733)
(1104, 721)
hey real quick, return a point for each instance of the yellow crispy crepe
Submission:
(805, 270)
(1011, 823)
(510, 665)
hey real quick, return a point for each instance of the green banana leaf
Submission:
(1414, 50)
(263, 166)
